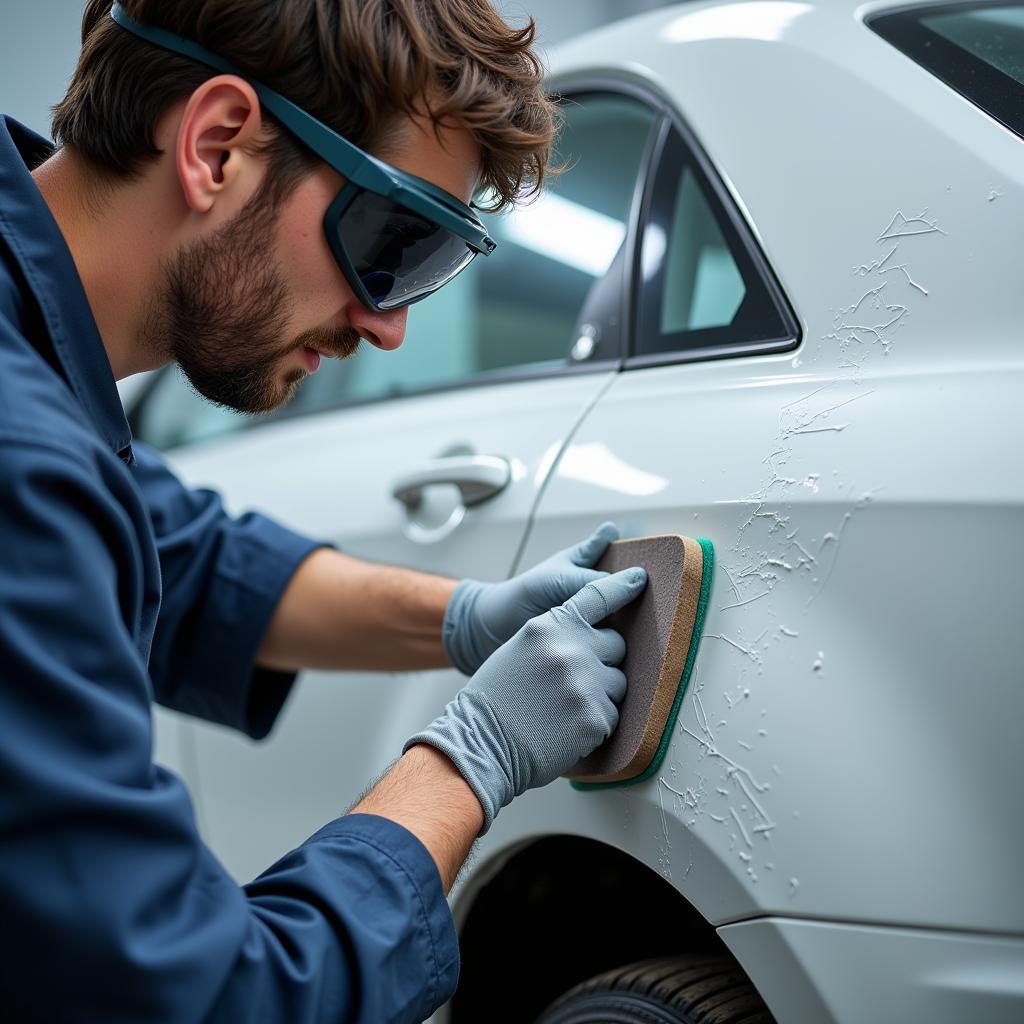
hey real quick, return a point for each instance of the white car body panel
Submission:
(826, 972)
(848, 751)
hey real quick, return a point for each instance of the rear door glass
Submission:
(704, 289)
(977, 49)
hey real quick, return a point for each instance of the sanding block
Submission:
(662, 629)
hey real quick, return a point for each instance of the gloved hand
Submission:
(542, 701)
(480, 617)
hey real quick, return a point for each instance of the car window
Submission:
(977, 49)
(549, 297)
(703, 287)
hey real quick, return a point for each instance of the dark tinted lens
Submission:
(399, 256)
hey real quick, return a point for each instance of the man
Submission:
(193, 214)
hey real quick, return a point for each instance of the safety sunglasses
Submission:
(395, 237)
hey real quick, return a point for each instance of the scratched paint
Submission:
(772, 550)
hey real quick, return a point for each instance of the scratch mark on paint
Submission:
(788, 632)
(866, 268)
(906, 273)
(797, 401)
(745, 746)
(753, 655)
(821, 430)
(750, 796)
(739, 825)
(702, 721)
(666, 867)
(732, 581)
(839, 405)
(806, 423)
(749, 600)
(662, 780)
(755, 570)
(803, 551)
(873, 292)
(735, 770)
(900, 222)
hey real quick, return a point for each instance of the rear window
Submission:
(977, 49)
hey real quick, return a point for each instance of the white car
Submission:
(775, 301)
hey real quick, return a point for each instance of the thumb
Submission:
(600, 598)
(588, 551)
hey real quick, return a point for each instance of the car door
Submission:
(431, 457)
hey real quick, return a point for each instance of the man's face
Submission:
(248, 309)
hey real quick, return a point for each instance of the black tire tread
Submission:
(701, 989)
(736, 1007)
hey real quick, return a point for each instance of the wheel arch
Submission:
(544, 914)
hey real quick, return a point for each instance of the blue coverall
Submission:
(119, 586)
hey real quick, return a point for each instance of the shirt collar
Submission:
(37, 245)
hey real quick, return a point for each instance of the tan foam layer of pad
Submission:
(658, 629)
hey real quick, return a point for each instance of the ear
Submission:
(214, 146)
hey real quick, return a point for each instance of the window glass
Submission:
(994, 36)
(977, 50)
(700, 287)
(707, 288)
(556, 276)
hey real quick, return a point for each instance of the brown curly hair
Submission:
(356, 65)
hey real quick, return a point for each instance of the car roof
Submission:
(708, 21)
(819, 128)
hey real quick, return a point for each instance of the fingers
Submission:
(600, 598)
(557, 589)
(589, 551)
(615, 684)
(609, 719)
(609, 646)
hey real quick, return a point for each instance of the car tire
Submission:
(669, 990)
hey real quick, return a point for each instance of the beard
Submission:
(224, 312)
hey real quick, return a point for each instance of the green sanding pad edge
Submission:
(707, 571)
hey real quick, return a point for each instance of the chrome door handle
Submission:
(478, 478)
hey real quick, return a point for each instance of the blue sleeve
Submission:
(113, 910)
(222, 579)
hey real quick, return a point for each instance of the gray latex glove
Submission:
(480, 617)
(542, 701)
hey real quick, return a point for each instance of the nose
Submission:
(384, 330)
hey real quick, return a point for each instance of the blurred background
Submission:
(39, 43)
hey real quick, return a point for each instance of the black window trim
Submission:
(564, 89)
(673, 121)
(977, 81)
